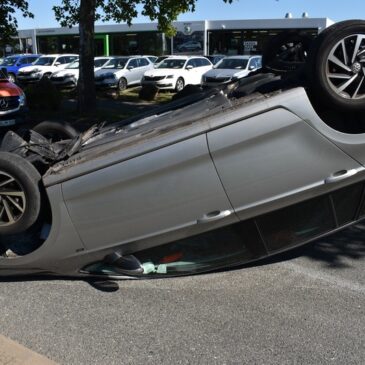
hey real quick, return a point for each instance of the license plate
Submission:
(6, 123)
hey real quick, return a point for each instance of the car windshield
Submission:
(9, 61)
(117, 63)
(100, 62)
(232, 64)
(74, 65)
(45, 61)
(172, 63)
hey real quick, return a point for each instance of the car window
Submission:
(232, 64)
(100, 62)
(118, 63)
(45, 61)
(61, 60)
(193, 63)
(133, 63)
(143, 62)
(174, 63)
(23, 61)
(32, 59)
(9, 61)
(204, 62)
(252, 63)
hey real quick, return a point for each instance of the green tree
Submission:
(85, 12)
(8, 22)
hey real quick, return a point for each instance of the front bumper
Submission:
(28, 79)
(106, 84)
(165, 84)
(67, 83)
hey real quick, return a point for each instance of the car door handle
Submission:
(340, 175)
(214, 216)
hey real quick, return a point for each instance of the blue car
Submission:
(16, 62)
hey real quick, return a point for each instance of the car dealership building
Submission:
(227, 37)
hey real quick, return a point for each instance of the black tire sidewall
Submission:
(317, 66)
(122, 84)
(29, 178)
(180, 79)
(61, 130)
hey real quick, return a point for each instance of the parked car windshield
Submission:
(172, 63)
(117, 63)
(74, 65)
(44, 61)
(9, 61)
(232, 64)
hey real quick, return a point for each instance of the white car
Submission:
(69, 76)
(45, 66)
(174, 73)
(232, 68)
(121, 72)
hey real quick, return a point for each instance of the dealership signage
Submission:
(250, 45)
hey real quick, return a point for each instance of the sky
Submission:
(217, 10)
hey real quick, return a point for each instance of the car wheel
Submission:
(47, 75)
(180, 84)
(11, 77)
(20, 197)
(336, 69)
(122, 84)
(56, 131)
(286, 52)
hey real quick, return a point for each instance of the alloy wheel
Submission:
(345, 68)
(12, 200)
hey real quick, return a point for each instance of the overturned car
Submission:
(216, 179)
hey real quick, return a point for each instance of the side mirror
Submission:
(57, 64)
(130, 67)
(251, 68)
(189, 67)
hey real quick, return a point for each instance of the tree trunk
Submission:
(86, 84)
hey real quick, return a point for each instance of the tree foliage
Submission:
(162, 11)
(8, 22)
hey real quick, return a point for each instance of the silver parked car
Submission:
(216, 179)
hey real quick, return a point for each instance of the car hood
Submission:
(104, 71)
(217, 73)
(74, 72)
(36, 67)
(9, 89)
(162, 72)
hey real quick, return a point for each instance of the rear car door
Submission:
(285, 176)
(160, 196)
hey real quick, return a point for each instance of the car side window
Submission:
(32, 59)
(252, 63)
(133, 63)
(204, 62)
(61, 60)
(192, 63)
(23, 61)
(143, 62)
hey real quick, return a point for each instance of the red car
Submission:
(12, 102)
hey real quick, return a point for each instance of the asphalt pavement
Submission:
(305, 307)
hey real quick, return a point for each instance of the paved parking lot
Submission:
(305, 307)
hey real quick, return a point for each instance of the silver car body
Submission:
(198, 168)
(221, 75)
(132, 71)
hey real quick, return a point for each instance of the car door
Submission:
(162, 195)
(274, 159)
(133, 71)
(204, 66)
(192, 74)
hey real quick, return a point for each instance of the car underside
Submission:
(219, 178)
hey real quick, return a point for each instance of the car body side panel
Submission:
(161, 192)
(273, 155)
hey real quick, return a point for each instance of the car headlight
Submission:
(69, 75)
(22, 99)
(170, 77)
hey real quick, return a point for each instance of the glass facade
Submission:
(244, 42)
(140, 43)
(192, 44)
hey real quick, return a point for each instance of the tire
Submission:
(122, 84)
(18, 211)
(286, 53)
(56, 131)
(47, 75)
(12, 78)
(341, 84)
(180, 84)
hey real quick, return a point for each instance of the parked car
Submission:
(218, 179)
(45, 66)
(69, 76)
(12, 103)
(121, 72)
(232, 68)
(189, 46)
(215, 58)
(174, 73)
(14, 63)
